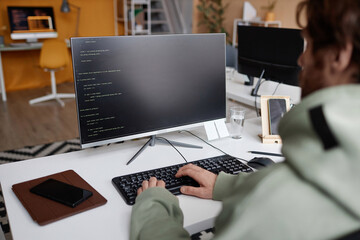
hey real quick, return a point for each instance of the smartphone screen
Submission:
(61, 192)
(277, 109)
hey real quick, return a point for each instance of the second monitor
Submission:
(271, 53)
(32, 23)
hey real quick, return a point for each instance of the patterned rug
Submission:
(39, 151)
(47, 150)
(3, 219)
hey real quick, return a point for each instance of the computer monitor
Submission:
(32, 23)
(136, 86)
(271, 53)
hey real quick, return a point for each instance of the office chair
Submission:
(54, 56)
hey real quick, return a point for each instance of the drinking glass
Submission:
(237, 119)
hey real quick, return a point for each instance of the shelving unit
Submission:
(160, 23)
(142, 17)
(132, 16)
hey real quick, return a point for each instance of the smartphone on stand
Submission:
(277, 109)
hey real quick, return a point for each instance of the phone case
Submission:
(43, 210)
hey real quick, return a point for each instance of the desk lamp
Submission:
(65, 8)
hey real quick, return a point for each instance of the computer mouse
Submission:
(260, 162)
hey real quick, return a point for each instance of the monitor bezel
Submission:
(147, 134)
(154, 132)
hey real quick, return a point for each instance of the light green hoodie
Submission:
(313, 194)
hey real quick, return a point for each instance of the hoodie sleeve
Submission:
(226, 183)
(157, 215)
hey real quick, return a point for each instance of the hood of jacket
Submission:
(321, 143)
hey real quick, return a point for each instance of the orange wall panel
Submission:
(22, 71)
(21, 68)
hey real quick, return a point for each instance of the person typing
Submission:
(314, 193)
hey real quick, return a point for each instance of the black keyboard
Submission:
(128, 185)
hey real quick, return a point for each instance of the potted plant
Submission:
(270, 15)
(213, 16)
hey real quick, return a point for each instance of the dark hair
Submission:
(332, 23)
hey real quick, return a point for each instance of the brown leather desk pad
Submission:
(43, 210)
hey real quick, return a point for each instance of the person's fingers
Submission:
(196, 191)
(199, 175)
(184, 167)
(160, 183)
(152, 182)
(145, 184)
(189, 166)
(187, 172)
(140, 190)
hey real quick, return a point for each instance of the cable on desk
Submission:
(256, 95)
(276, 89)
(241, 159)
(173, 147)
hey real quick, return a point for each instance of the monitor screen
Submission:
(31, 23)
(136, 86)
(274, 50)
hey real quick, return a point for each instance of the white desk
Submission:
(238, 91)
(8, 48)
(98, 166)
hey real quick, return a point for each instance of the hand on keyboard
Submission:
(128, 185)
(153, 182)
(204, 178)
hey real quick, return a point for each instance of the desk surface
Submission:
(20, 47)
(236, 90)
(99, 165)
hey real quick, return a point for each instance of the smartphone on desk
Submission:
(61, 192)
(277, 109)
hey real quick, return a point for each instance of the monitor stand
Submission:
(152, 141)
(250, 82)
(254, 91)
